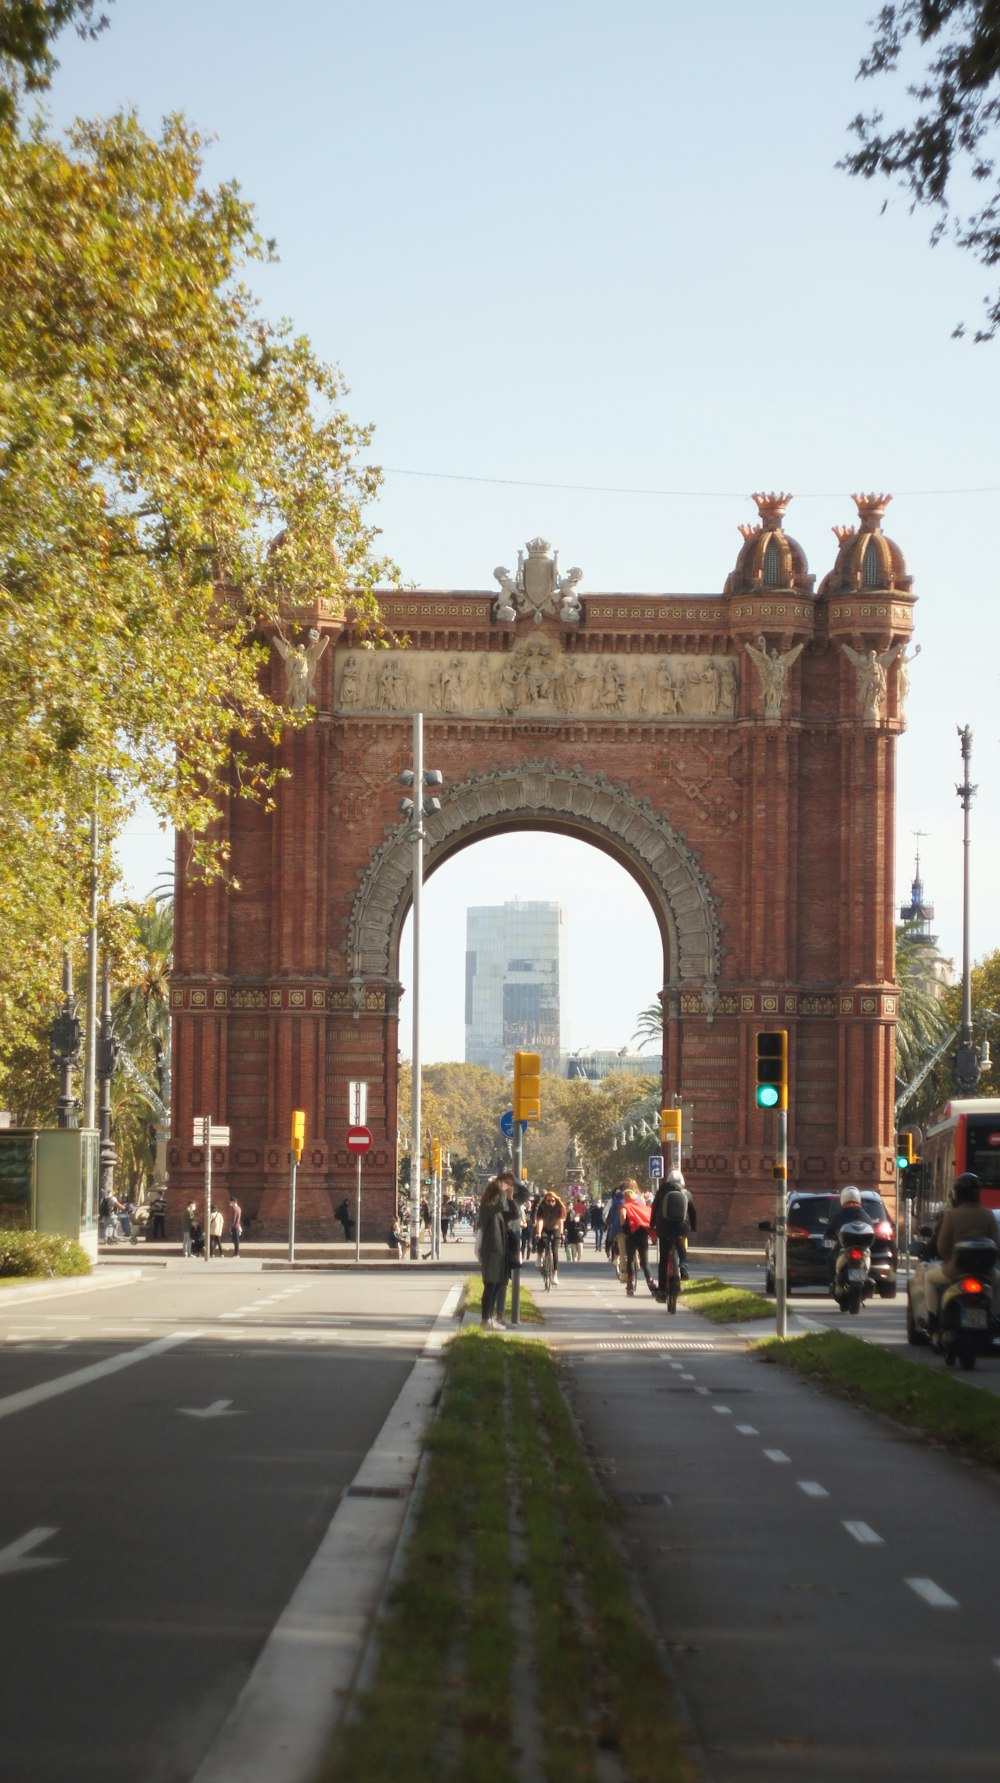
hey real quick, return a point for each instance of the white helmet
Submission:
(675, 1179)
(850, 1195)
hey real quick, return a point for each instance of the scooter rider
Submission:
(850, 1209)
(965, 1218)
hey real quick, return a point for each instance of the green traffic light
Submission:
(902, 1162)
(768, 1095)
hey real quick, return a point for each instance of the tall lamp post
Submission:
(967, 1062)
(106, 1060)
(417, 808)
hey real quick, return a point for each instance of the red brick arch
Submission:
(735, 752)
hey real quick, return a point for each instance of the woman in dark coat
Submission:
(495, 1211)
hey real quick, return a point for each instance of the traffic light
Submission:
(772, 1068)
(298, 1132)
(670, 1125)
(527, 1086)
(905, 1154)
(436, 1157)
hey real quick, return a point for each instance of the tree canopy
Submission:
(176, 472)
(27, 28)
(943, 151)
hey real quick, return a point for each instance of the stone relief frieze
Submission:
(536, 679)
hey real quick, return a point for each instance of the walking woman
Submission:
(495, 1213)
(635, 1225)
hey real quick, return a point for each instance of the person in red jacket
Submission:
(635, 1224)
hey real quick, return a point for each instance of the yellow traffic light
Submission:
(298, 1132)
(670, 1125)
(771, 1081)
(527, 1086)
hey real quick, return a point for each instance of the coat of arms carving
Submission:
(537, 588)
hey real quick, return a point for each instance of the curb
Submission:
(73, 1284)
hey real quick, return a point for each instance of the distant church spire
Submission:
(917, 912)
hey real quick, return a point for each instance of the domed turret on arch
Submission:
(867, 559)
(770, 561)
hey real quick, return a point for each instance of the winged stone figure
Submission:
(300, 667)
(871, 670)
(772, 667)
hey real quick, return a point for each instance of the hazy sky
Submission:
(592, 273)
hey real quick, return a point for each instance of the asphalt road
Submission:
(825, 1586)
(154, 1520)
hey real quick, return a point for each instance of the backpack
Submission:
(675, 1206)
(635, 1214)
(105, 1207)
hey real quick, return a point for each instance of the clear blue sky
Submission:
(556, 242)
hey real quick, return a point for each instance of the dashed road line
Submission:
(748, 1429)
(812, 1489)
(932, 1594)
(778, 1456)
(724, 1411)
(864, 1533)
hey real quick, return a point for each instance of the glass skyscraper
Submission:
(514, 969)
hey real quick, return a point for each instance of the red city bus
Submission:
(962, 1136)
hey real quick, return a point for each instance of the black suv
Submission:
(808, 1257)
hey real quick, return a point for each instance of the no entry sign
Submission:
(359, 1140)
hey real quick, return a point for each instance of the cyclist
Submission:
(635, 1224)
(674, 1217)
(550, 1219)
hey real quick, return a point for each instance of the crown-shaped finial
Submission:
(772, 508)
(843, 533)
(871, 508)
(748, 532)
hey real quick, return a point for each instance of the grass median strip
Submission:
(937, 1406)
(440, 1706)
(708, 1295)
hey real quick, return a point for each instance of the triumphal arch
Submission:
(734, 751)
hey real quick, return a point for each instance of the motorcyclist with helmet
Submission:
(965, 1218)
(851, 1208)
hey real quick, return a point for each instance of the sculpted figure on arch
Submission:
(772, 668)
(871, 669)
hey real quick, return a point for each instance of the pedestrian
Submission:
(614, 1237)
(235, 1224)
(159, 1212)
(574, 1237)
(597, 1223)
(343, 1214)
(495, 1213)
(215, 1224)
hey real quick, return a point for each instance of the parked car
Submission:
(807, 1255)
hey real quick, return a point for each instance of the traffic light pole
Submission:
(781, 1224)
(515, 1282)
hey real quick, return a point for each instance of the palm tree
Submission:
(923, 1021)
(650, 1027)
(142, 1026)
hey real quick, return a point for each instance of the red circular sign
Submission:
(359, 1140)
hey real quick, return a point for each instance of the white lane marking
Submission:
(748, 1429)
(932, 1594)
(805, 1324)
(778, 1456)
(812, 1489)
(16, 1557)
(864, 1533)
(678, 1367)
(687, 1377)
(82, 1377)
(219, 1408)
(724, 1411)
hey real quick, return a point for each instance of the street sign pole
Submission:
(291, 1207)
(357, 1216)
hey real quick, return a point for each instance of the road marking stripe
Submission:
(703, 1391)
(812, 1489)
(865, 1534)
(778, 1456)
(748, 1429)
(933, 1594)
(82, 1377)
(724, 1411)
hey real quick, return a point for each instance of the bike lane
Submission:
(824, 1585)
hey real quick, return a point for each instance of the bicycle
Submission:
(545, 1260)
(673, 1274)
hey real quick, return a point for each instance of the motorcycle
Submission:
(853, 1280)
(965, 1327)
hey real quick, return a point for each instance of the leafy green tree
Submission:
(177, 479)
(27, 30)
(946, 145)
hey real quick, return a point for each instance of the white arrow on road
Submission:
(17, 1558)
(219, 1408)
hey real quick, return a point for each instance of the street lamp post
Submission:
(417, 808)
(106, 1059)
(967, 1063)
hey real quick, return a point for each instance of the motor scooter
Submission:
(853, 1280)
(965, 1327)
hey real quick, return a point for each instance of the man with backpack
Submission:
(673, 1216)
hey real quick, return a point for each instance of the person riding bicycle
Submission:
(550, 1218)
(636, 1213)
(673, 1217)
